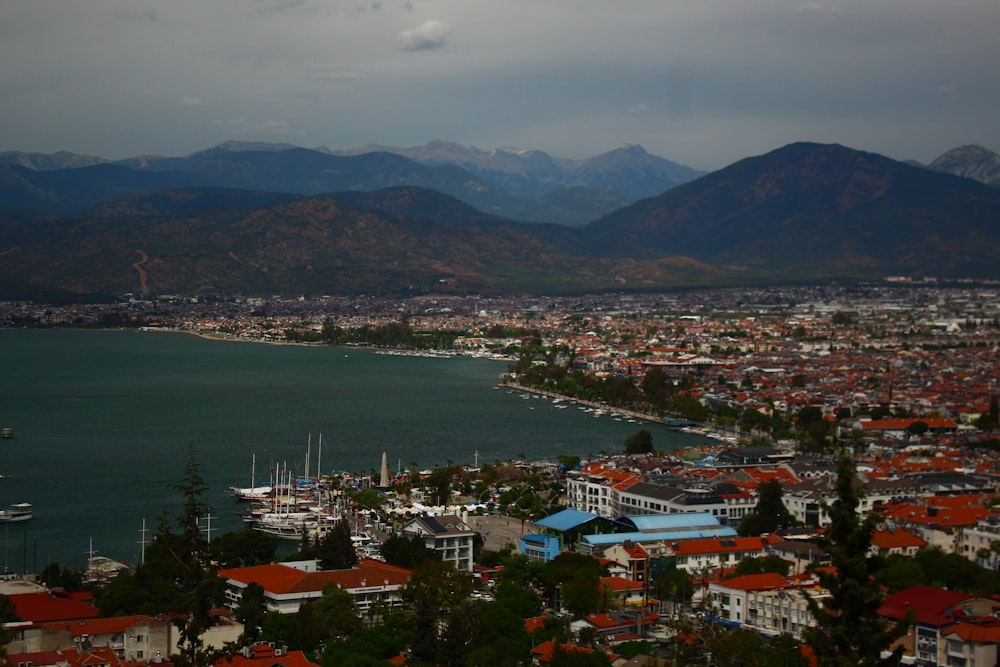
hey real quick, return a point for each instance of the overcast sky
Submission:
(701, 82)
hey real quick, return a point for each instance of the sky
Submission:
(700, 82)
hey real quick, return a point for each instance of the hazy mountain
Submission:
(975, 162)
(628, 169)
(387, 243)
(163, 163)
(813, 210)
(802, 212)
(68, 190)
(280, 168)
(47, 161)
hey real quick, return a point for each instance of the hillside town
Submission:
(881, 399)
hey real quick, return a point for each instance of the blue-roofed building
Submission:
(655, 531)
(650, 523)
(539, 548)
(568, 525)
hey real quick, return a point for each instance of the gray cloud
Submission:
(427, 36)
(137, 15)
(705, 83)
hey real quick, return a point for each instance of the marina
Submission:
(105, 420)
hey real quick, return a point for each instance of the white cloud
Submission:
(190, 101)
(427, 36)
(638, 109)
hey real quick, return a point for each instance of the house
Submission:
(266, 655)
(287, 586)
(620, 592)
(694, 556)
(447, 536)
(948, 627)
(539, 548)
(543, 653)
(133, 638)
(616, 627)
(899, 541)
(632, 557)
(767, 603)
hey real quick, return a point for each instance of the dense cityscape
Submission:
(840, 509)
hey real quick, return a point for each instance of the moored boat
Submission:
(16, 512)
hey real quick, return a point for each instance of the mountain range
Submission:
(278, 219)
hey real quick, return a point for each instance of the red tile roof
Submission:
(281, 579)
(263, 655)
(756, 582)
(46, 608)
(900, 538)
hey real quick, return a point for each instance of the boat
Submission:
(6, 432)
(16, 512)
(101, 569)
(252, 492)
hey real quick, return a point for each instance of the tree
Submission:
(762, 564)
(849, 630)
(917, 428)
(769, 513)
(7, 615)
(335, 550)
(640, 442)
(250, 611)
(337, 613)
(243, 549)
(197, 583)
(406, 551)
(433, 589)
(580, 593)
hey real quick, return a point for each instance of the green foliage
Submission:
(243, 549)
(250, 611)
(568, 658)
(406, 551)
(335, 550)
(434, 588)
(761, 565)
(438, 484)
(336, 613)
(640, 442)
(7, 615)
(849, 629)
(769, 513)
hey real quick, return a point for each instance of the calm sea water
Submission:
(103, 420)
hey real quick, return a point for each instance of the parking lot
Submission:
(499, 531)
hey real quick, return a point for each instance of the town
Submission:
(850, 439)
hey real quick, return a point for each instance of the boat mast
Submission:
(308, 453)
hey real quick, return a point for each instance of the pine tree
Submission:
(849, 630)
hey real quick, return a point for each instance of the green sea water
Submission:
(103, 421)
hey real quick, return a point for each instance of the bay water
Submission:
(103, 422)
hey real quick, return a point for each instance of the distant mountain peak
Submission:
(970, 161)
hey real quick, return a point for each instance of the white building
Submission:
(448, 536)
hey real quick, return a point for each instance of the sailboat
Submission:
(252, 492)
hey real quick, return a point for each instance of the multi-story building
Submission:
(447, 536)
(948, 627)
(767, 603)
(287, 586)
